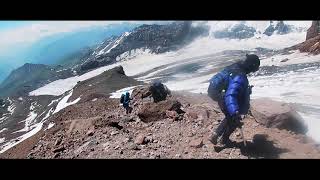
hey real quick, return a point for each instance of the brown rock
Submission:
(311, 45)
(114, 133)
(56, 155)
(140, 139)
(156, 111)
(59, 149)
(284, 60)
(314, 30)
(148, 139)
(172, 115)
(277, 115)
(58, 142)
(197, 143)
(90, 133)
(192, 114)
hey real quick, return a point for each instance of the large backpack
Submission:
(158, 91)
(122, 98)
(218, 83)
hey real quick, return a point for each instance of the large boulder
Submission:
(314, 30)
(140, 92)
(157, 111)
(311, 45)
(273, 114)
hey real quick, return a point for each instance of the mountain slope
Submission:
(99, 128)
(156, 38)
(29, 77)
(54, 48)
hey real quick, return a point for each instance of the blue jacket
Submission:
(237, 96)
(126, 100)
(233, 80)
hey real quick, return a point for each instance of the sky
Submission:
(28, 32)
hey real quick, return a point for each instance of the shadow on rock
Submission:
(260, 147)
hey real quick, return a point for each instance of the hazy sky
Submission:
(26, 32)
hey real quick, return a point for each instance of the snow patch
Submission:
(132, 54)
(60, 86)
(48, 114)
(3, 118)
(63, 103)
(94, 99)
(53, 101)
(114, 44)
(11, 108)
(4, 129)
(119, 92)
(118, 41)
(30, 119)
(51, 124)
(103, 50)
(61, 70)
(296, 57)
(2, 140)
(35, 128)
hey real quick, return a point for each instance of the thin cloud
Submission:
(34, 31)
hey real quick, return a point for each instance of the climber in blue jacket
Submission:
(125, 100)
(230, 88)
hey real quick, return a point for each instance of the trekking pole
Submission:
(243, 139)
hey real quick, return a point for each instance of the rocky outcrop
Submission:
(314, 30)
(103, 84)
(239, 31)
(279, 28)
(155, 111)
(279, 115)
(312, 43)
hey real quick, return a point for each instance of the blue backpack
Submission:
(218, 84)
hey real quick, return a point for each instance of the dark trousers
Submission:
(127, 108)
(226, 126)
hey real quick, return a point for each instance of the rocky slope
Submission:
(176, 128)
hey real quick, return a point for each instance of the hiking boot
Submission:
(226, 141)
(214, 138)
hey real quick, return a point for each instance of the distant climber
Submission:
(158, 91)
(230, 88)
(125, 100)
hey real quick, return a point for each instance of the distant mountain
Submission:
(29, 77)
(156, 38)
(54, 49)
(239, 31)
(246, 29)
(278, 28)
(59, 47)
